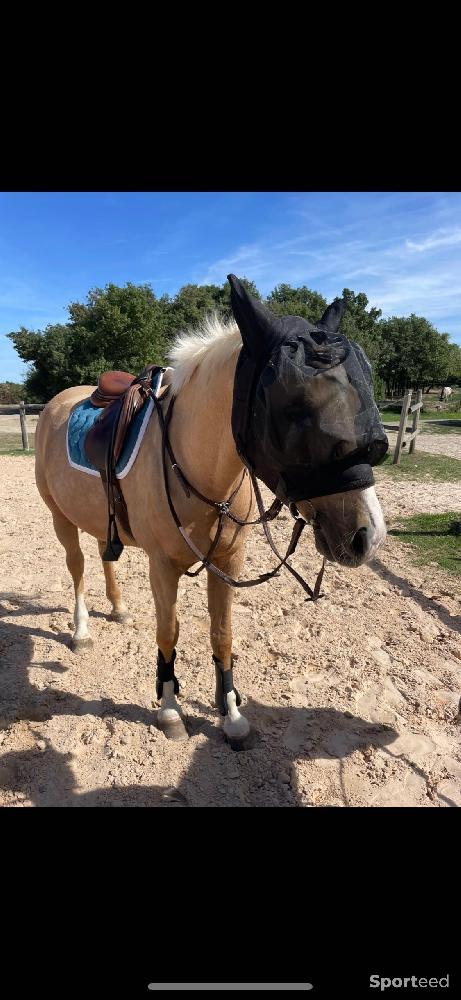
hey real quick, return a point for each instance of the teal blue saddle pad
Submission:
(84, 416)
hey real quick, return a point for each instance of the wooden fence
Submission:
(21, 409)
(407, 435)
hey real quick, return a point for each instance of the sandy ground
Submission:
(12, 424)
(354, 699)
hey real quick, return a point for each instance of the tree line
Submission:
(127, 327)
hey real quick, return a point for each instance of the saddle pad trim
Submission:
(134, 453)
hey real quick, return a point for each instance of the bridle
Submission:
(223, 509)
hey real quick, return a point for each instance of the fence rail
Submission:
(10, 409)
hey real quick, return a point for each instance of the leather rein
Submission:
(223, 510)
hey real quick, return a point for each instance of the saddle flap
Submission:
(101, 435)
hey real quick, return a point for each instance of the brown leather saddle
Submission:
(121, 396)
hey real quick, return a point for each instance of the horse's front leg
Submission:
(164, 583)
(236, 726)
(119, 611)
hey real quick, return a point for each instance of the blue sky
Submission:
(402, 249)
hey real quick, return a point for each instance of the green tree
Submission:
(362, 326)
(120, 328)
(450, 363)
(127, 327)
(13, 392)
(192, 303)
(414, 354)
(47, 352)
(285, 300)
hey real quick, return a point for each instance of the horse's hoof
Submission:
(79, 645)
(122, 617)
(245, 743)
(173, 729)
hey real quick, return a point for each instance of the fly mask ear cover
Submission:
(304, 417)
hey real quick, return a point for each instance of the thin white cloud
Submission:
(441, 238)
(252, 256)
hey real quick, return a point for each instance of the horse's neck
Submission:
(201, 432)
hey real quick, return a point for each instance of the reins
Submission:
(223, 510)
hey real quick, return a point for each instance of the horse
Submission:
(445, 393)
(349, 525)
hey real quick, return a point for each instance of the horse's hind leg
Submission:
(119, 611)
(67, 534)
(164, 583)
(236, 726)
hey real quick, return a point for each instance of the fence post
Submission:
(415, 424)
(25, 436)
(402, 426)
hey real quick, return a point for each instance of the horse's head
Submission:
(305, 420)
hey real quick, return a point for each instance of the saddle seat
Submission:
(111, 385)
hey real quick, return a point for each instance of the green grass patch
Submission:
(431, 539)
(388, 416)
(17, 451)
(12, 443)
(441, 415)
(421, 465)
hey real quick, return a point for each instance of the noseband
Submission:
(223, 509)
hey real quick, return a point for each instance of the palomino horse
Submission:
(349, 524)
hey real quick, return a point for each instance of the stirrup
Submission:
(114, 546)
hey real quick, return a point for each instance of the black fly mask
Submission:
(304, 417)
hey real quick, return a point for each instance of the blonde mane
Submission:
(206, 348)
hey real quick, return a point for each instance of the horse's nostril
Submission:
(359, 541)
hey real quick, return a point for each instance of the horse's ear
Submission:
(332, 316)
(259, 328)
